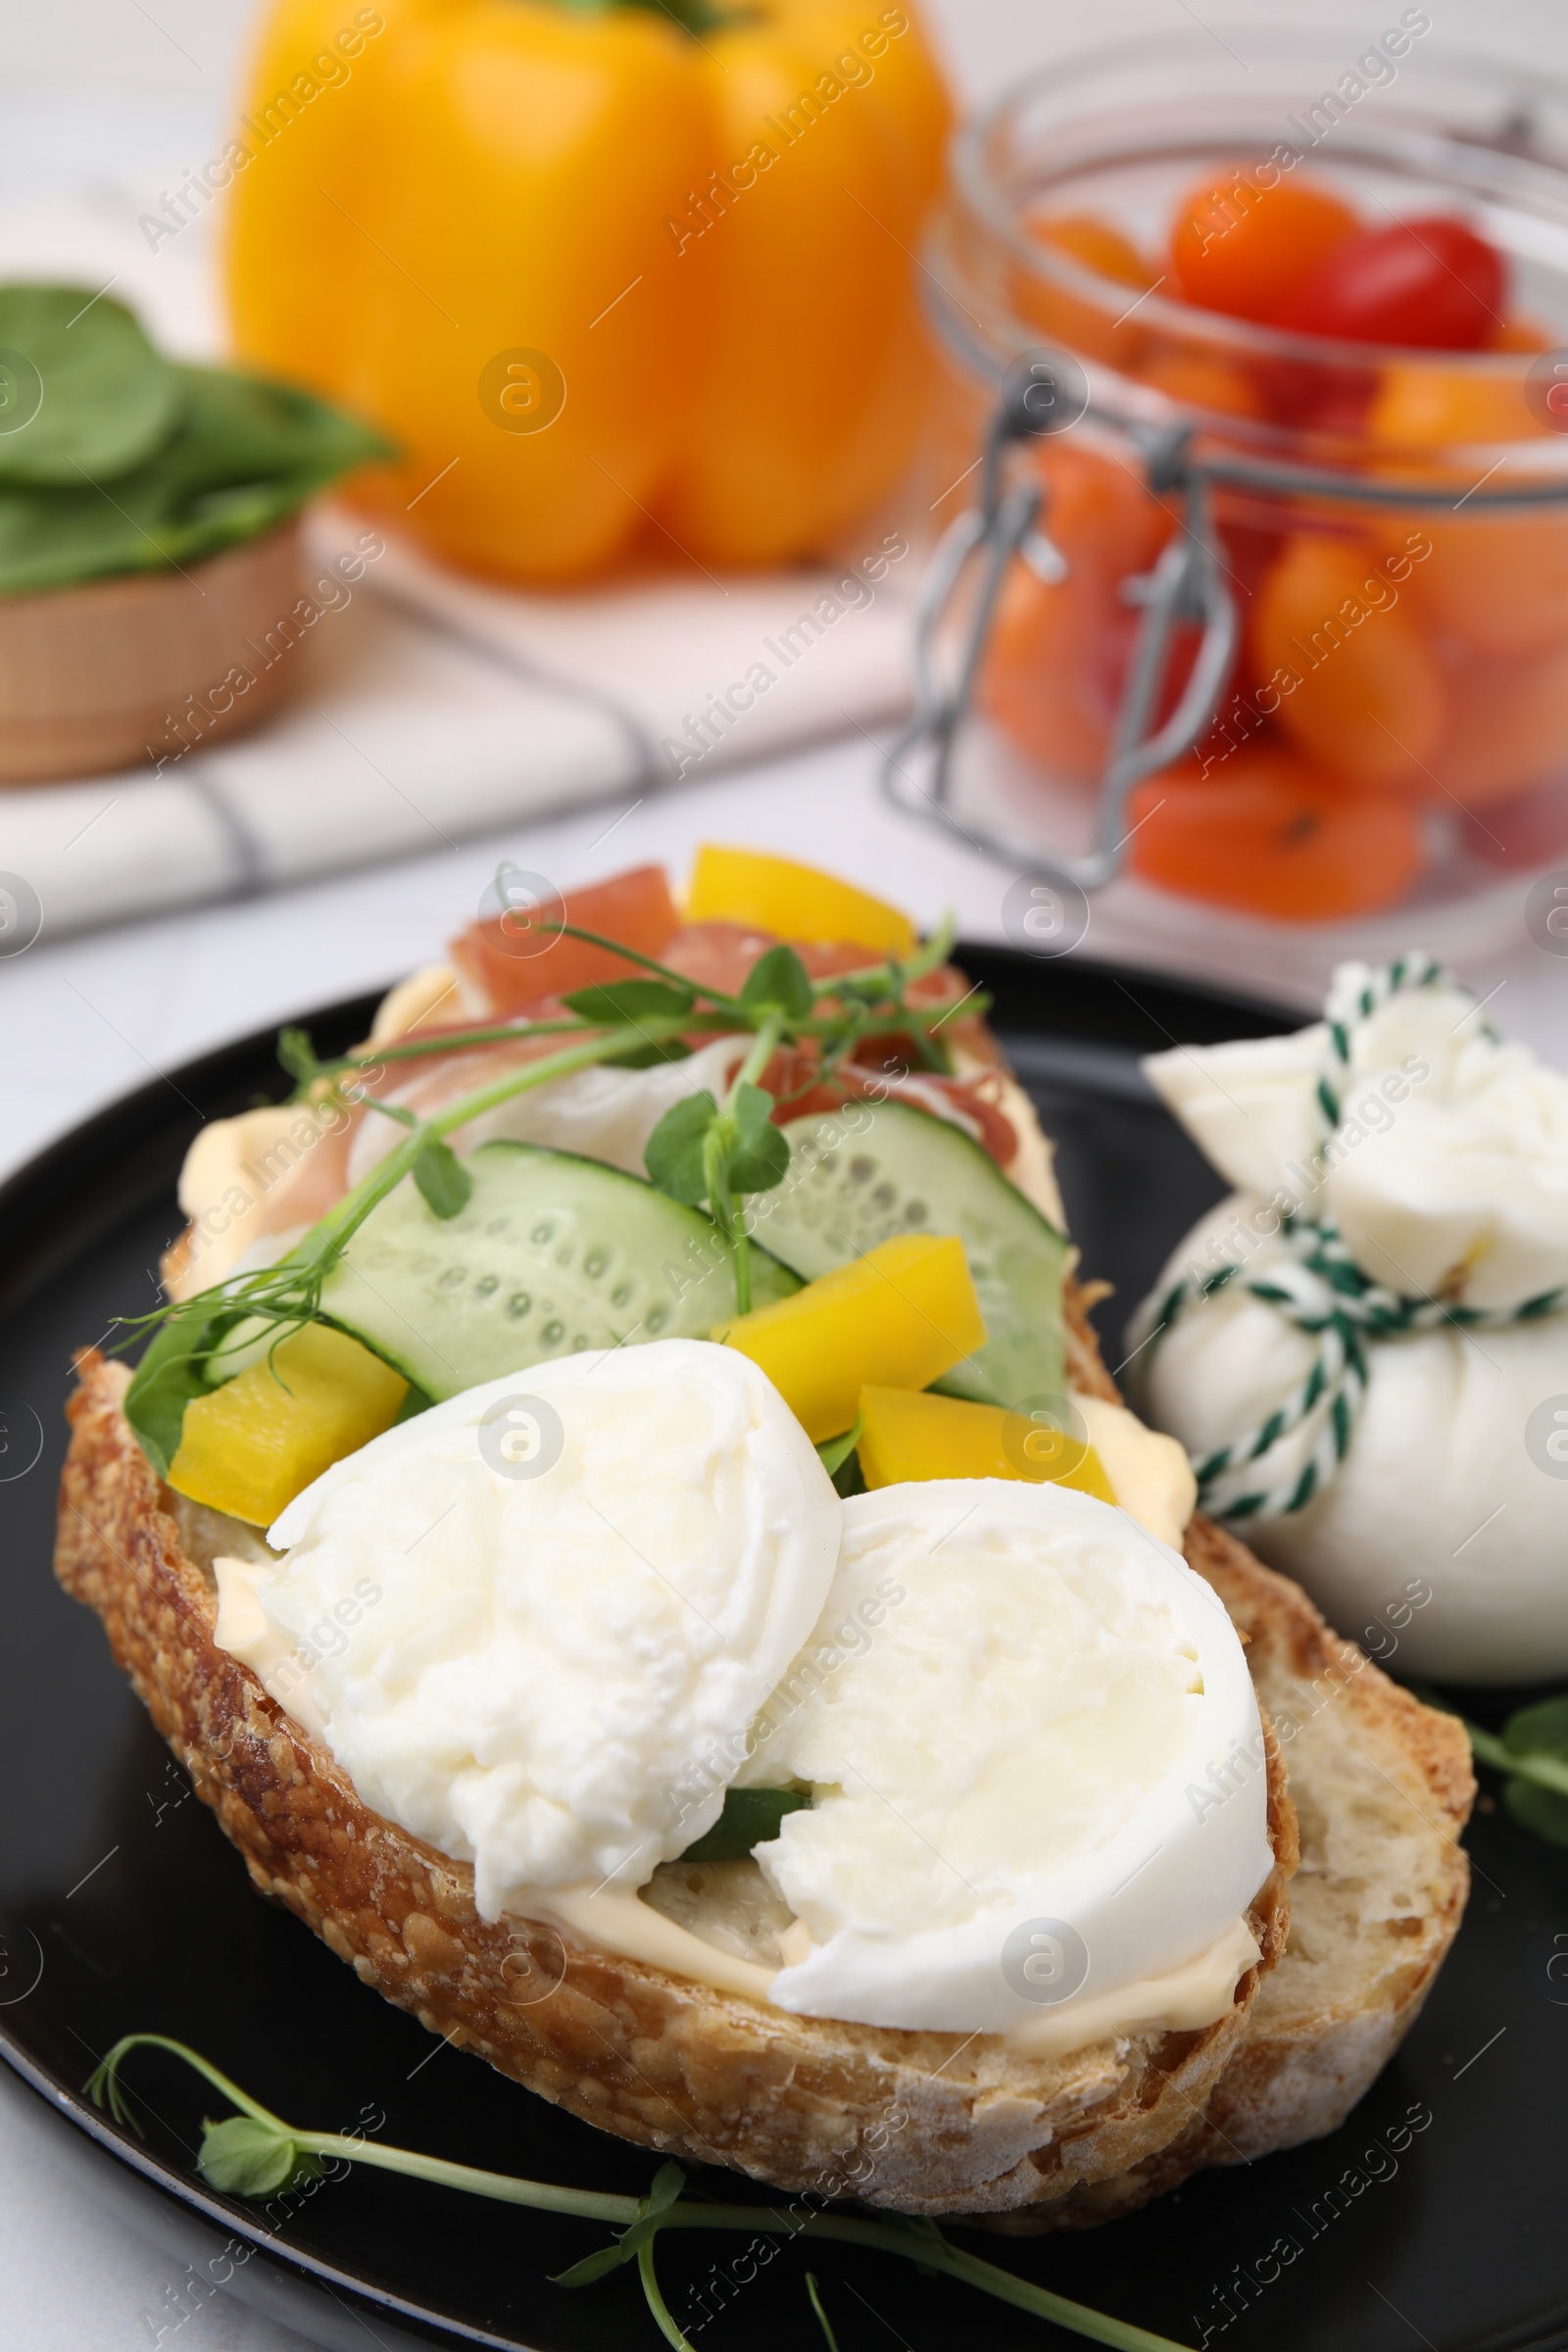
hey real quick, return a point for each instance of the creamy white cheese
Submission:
(1017, 1744)
(602, 1114)
(1447, 1173)
(545, 1653)
(1441, 1539)
(1441, 1544)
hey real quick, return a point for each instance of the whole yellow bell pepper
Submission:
(604, 280)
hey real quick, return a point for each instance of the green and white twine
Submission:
(1319, 1289)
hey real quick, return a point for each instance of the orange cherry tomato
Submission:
(1097, 329)
(1359, 686)
(1420, 405)
(1096, 244)
(1520, 334)
(1200, 379)
(1266, 836)
(1054, 671)
(1507, 727)
(1244, 250)
(1497, 584)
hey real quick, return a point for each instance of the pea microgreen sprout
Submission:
(277, 1300)
(870, 1002)
(1532, 1753)
(702, 1151)
(255, 2153)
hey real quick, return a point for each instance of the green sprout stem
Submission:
(814, 2298)
(727, 1015)
(920, 2242)
(842, 1033)
(325, 1241)
(289, 1293)
(669, 2325)
(724, 1202)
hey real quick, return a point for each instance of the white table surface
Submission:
(86, 1019)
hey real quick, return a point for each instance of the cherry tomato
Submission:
(1520, 334)
(1097, 329)
(1313, 396)
(1057, 655)
(1529, 829)
(1245, 250)
(1506, 726)
(1265, 835)
(1497, 584)
(1346, 665)
(1419, 406)
(1200, 379)
(1095, 243)
(1431, 284)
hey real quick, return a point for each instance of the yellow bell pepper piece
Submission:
(480, 223)
(250, 1447)
(906, 1312)
(903, 1436)
(798, 901)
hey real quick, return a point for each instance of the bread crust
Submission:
(1327, 2019)
(922, 2123)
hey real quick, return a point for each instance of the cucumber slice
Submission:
(862, 1174)
(550, 1256)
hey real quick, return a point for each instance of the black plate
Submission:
(124, 1908)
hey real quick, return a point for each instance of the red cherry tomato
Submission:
(1429, 285)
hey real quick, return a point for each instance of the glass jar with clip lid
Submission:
(1256, 630)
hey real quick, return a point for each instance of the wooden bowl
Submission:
(141, 669)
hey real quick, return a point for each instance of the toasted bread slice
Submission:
(923, 2123)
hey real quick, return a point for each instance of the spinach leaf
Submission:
(244, 455)
(83, 392)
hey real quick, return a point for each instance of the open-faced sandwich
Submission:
(626, 1522)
